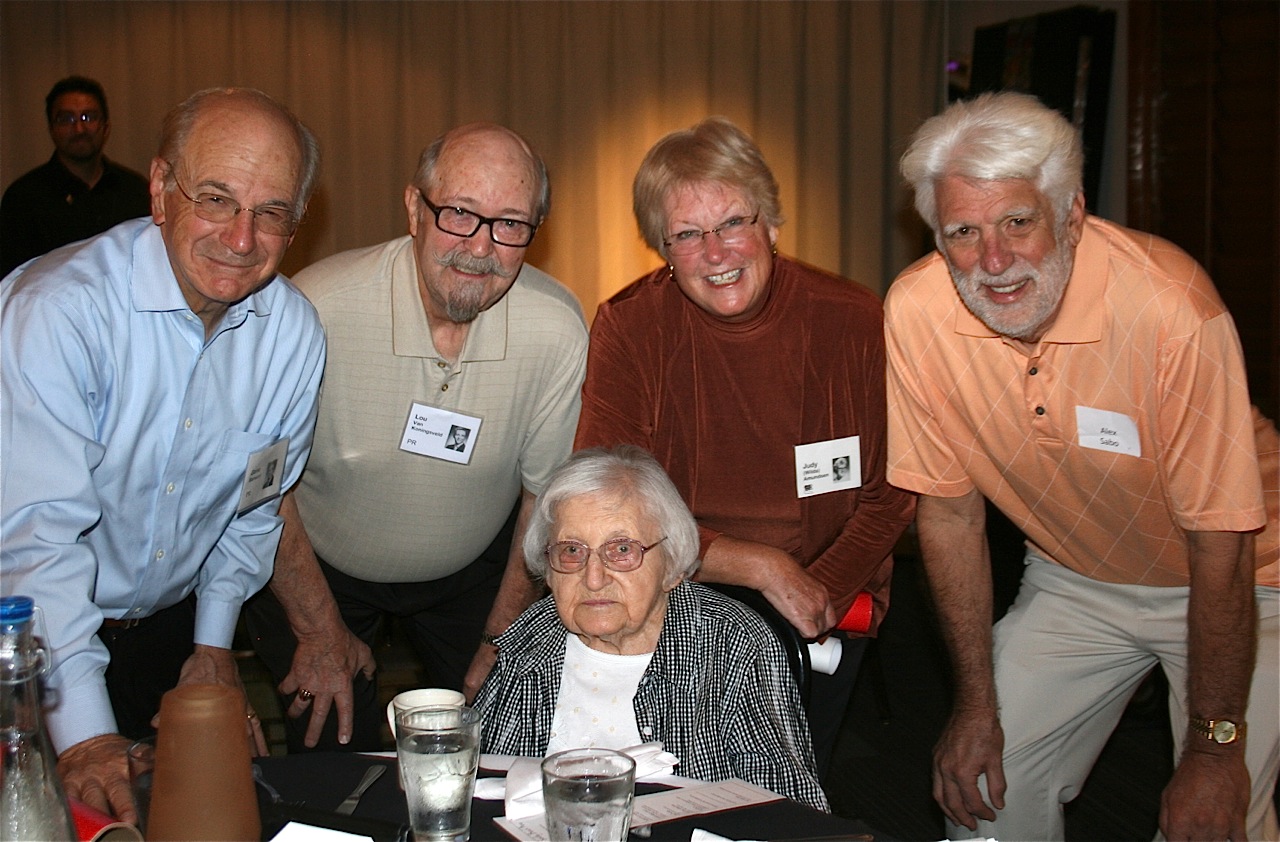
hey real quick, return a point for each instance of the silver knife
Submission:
(348, 806)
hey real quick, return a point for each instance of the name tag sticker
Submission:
(440, 433)
(826, 466)
(263, 475)
(1100, 429)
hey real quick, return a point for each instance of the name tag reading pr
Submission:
(826, 466)
(263, 475)
(1100, 429)
(440, 433)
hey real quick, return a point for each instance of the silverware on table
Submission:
(348, 806)
(261, 780)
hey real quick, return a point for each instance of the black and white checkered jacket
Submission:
(718, 694)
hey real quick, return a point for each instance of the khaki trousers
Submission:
(1069, 655)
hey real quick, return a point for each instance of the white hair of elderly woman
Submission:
(626, 473)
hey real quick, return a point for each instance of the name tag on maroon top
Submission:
(826, 466)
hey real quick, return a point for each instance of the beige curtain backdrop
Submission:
(829, 90)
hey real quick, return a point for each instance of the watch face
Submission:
(1224, 731)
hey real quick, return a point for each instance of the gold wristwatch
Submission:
(1221, 731)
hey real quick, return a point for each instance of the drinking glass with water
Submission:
(438, 747)
(587, 793)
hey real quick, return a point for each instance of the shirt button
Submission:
(187, 424)
(159, 554)
(444, 388)
(441, 364)
(647, 731)
(1039, 410)
(168, 489)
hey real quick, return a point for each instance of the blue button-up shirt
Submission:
(124, 441)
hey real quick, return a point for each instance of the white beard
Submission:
(1027, 318)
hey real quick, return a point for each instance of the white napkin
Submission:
(651, 760)
(700, 835)
(522, 789)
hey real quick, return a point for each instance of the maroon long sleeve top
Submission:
(722, 405)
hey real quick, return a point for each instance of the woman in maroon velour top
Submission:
(749, 375)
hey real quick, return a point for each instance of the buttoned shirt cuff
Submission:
(216, 622)
(79, 714)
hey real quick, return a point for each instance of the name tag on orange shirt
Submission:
(826, 466)
(1101, 429)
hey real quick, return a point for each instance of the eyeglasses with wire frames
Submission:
(215, 207)
(731, 231)
(620, 555)
(461, 222)
(71, 118)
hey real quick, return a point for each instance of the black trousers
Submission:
(442, 619)
(146, 661)
(829, 699)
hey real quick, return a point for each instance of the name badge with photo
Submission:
(440, 433)
(1101, 429)
(263, 475)
(826, 466)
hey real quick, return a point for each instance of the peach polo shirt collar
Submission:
(410, 332)
(1080, 319)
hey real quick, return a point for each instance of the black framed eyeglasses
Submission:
(620, 555)
(731, 231)
(215, 207)
(461, 222)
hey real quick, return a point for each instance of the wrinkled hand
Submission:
(479, 670)
(971, 745)
(214, 665)
(325, 664)
(96, 771)
(800, 598)
(1208, 797)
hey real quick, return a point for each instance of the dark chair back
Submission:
(796, 647)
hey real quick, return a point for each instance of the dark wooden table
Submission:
(312, 785)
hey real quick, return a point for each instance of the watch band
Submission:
(1221, 731)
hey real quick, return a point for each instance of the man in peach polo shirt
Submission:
(1088, 380)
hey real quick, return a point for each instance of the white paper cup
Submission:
(421, 698)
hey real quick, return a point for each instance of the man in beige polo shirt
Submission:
(1088, 380)
(450, 394)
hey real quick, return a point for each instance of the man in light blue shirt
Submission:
(148, 379)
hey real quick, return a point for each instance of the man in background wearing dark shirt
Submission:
(78, 193)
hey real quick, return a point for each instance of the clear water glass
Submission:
(588, 794)
(438, 747)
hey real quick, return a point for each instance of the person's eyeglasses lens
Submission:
(620, 554)
(730, 232)
(461, 222)
(213, 207)
(67, 118)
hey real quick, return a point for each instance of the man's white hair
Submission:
(995, 137)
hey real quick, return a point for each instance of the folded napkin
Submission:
(651, 760)
(522, 789)
(700, 835)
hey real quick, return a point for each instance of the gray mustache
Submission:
(473, 265)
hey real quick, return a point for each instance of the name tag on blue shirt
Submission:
(263, 475)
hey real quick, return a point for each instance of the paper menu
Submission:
(662, 806)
